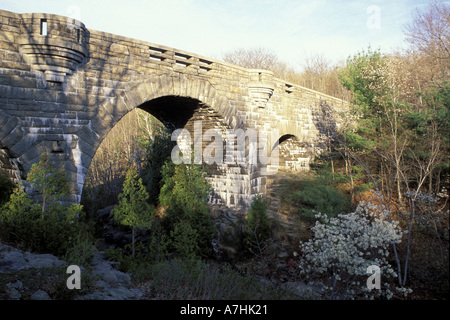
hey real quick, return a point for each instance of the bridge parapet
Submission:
(63, 87)
(53, 44)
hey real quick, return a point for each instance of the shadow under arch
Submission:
(155, 88)
(177, 103)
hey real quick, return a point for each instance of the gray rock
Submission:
(41, 260)
(306, 291)
(112, 284)
(283, 255)
(121, 277)
(13, 290)
(15, 285)
(14, 294)
(11, 259)
(40, 295)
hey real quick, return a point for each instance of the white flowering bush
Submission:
(344, 247)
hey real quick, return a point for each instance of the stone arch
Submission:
(293, 154)
(111, 111)
(148, 94)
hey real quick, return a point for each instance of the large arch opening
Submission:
(169, 112)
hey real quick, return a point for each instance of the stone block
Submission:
(132, 100)
(19, 144)
(4, 118)
(142, 90)
(9, 138)
(102, 125)
(115, 108)
(88, 149)
(30, 156)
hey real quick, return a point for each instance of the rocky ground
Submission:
(108, 283)
(16, 266)
(30, 276)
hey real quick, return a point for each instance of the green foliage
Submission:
(359, 77)
(358, 141)
(363, 76)
(382, 118)
(133, 209)
(437, 111)
(319, 198)
(184, 194)
(194, 279)
(52, 280)
(160, 242)
(185, 239)
(257, 228)
(21, 223)
(185, 188)
(82, 251)
(318, 193)
(128, 262)
(158, 152)
(6, 188)
(51, 183)
(24, 223)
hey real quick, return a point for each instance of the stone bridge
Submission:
(63, 87)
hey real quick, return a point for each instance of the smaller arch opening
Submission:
(293, 154)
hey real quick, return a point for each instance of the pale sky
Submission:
(292, 29)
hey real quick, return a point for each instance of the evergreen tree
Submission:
(185, 195)
(51, 183)
(157, 153)
(22, 220)
(133, 209)
(257, 220)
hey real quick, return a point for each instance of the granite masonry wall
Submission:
(64, 86)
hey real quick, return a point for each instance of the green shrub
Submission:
(50, 182)
(184, 195)
(82, 250)
(47, 227)
(22, 224)
(320, 192)
(133, 209)
(194, 279)
(319, 198)
(257, 228)
(185, 239)
(157, 153)
(160, 242)
(6, 188)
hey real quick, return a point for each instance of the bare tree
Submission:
(118, 151)
(255, 58)
(429, 33)
(260, 58)
(318, 73)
